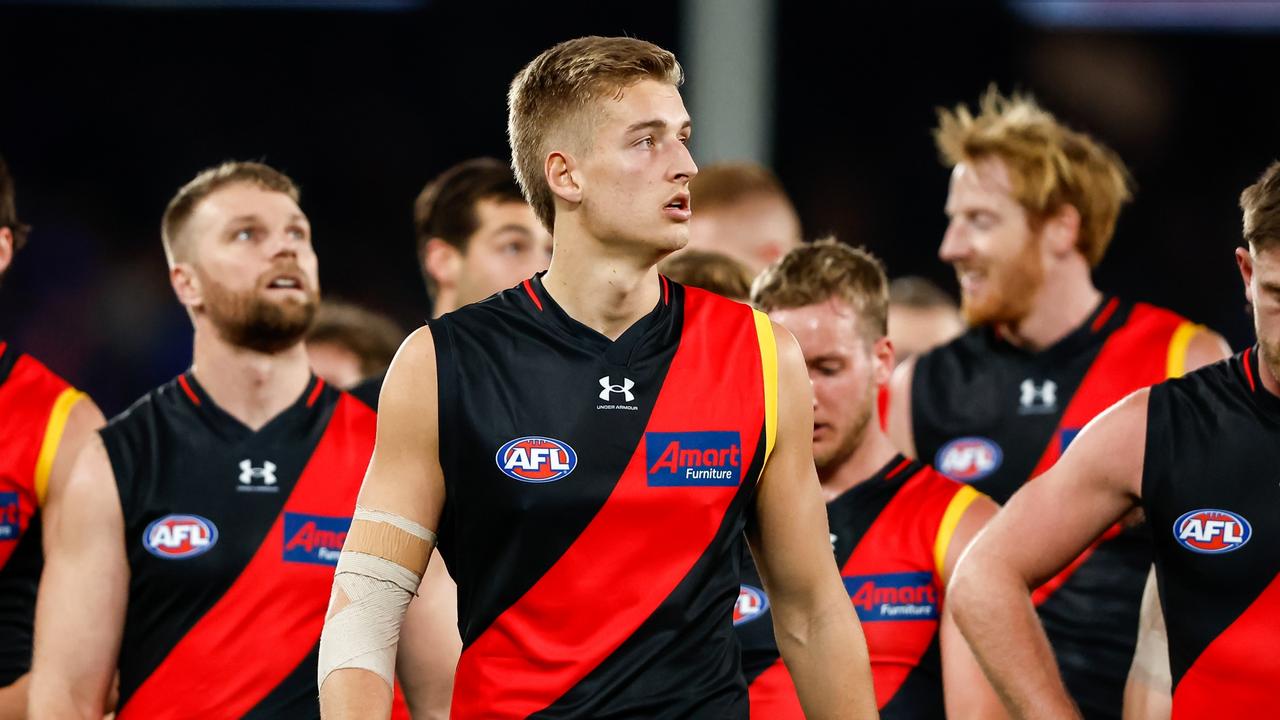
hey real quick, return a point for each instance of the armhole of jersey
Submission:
(53, 440)
(960, 502)
(1176, 365)
(769, 365)
(446, 396)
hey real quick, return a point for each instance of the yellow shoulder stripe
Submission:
(53, 439)
(1177, 363)
(769, 364)
(955, 510)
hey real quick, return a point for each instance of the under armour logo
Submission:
(1040, 398)
(610, 389)
(266, 474)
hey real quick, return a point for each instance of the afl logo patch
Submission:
(536, 459)
(1211, 531)
(175, 537)
(968, 459)
(752, 603)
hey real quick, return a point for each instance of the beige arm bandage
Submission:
(378, 572)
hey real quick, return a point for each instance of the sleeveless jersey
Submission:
(890, 535)
(1210, 488)
(232, 536)
(994, 415)
(596, 497)
(34, 406)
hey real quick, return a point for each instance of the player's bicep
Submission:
(77, 636)
(1052, 518)
(82, 424)
(789, 540)
(404, 475)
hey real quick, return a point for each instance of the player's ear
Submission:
(882, 354)
(561, 172)
(443, 262)
(1245, 261)
(6, 249)
(186, 285)
(1061, 230)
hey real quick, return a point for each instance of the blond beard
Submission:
(852, 440)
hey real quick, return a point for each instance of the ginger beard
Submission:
(1010, 290)
(252, 319)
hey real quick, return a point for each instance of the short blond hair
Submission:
(184, 203)
(826, 269)
(1261, 205)
(1049, 164)
(556, 89)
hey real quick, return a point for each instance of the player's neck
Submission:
(250, 386)
(872, 454)
(1063, 302)
(446, 301)
(606, 291)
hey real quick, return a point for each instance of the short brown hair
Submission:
(920, 293)
(1261, 205)
(372, 337)
(711, 271)
(9, 209)
(556, 88)
(205, 184)
(826, 269)
(446, 207)
(1049, 164)
(724, 185)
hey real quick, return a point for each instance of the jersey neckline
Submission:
(8, 358)
(616, 352)
(895, 472)
(1251, 365)
(229, 426)
(1109, 314)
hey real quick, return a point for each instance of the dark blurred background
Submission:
(106, 108)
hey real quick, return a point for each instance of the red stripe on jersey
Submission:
(1135, 356)
(773, 695)
(906, 462)
(901, 540)
(1105, 315)
(270, 618)
(528, 287)
(641, 543)
(315, 392)
(186, 388)
(1248, 369)
(27, 397)
(665, 293)
(1237, 674)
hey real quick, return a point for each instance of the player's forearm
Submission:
(13, 699)
(993, 610)
(351, 694)
(55, 696)
(826, 655)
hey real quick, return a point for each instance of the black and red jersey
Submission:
(34, 406)
(232, 536)
(890, 534)
(1211, 489)
(994, 415)
(596, 495)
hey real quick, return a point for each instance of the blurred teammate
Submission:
(743, 212)
(1199, 456)
(921, 317)
(347, 343)
(1032, 208)
(209, 516)
(476, 234)
(43, 424)
(897, 526)
(609, 435)
(710, 271)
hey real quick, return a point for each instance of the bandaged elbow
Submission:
(378, 574)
